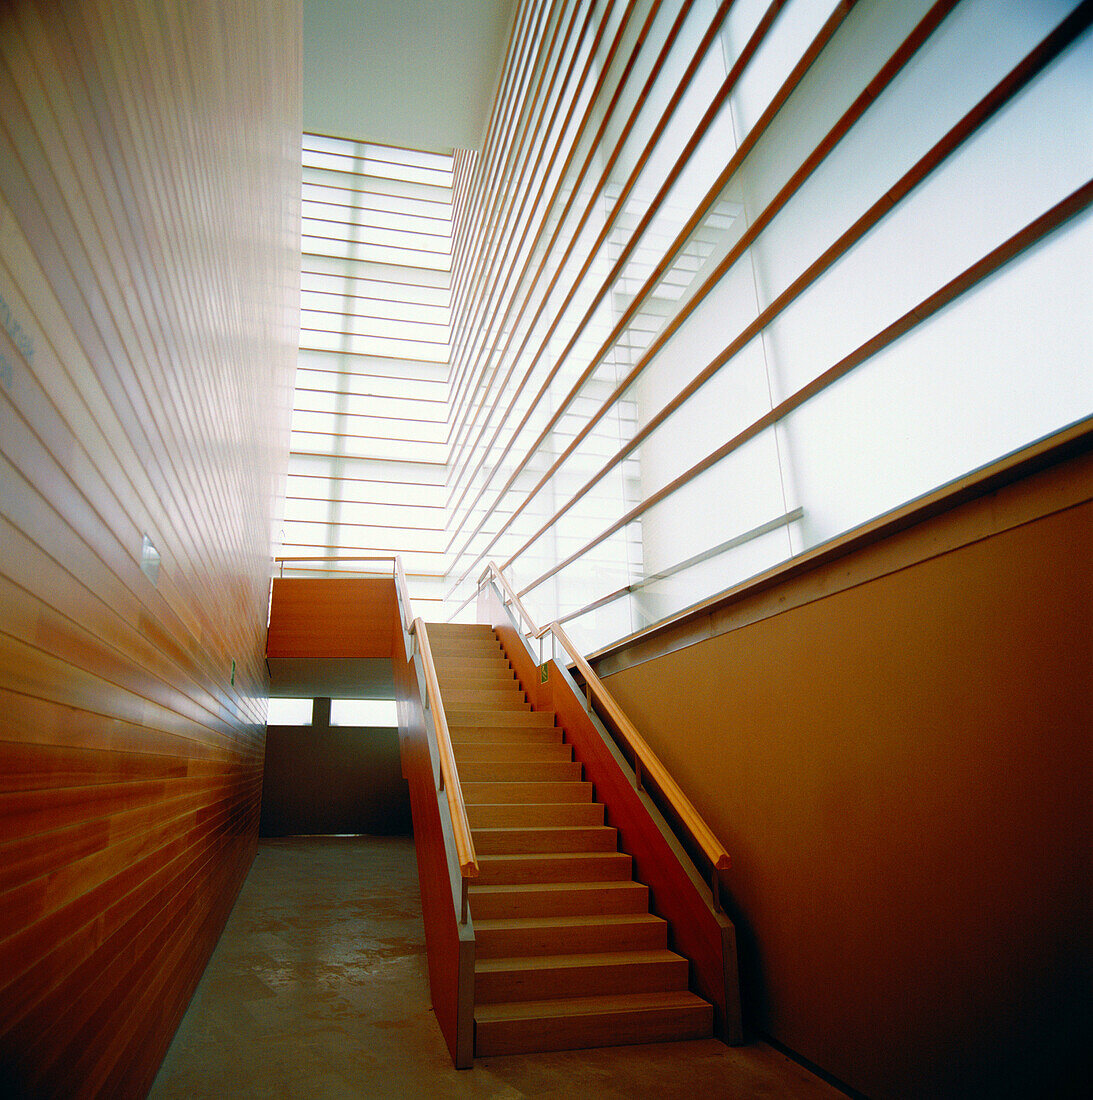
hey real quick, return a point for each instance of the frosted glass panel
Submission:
(363, 712)
(289, 712)
(1007, 364)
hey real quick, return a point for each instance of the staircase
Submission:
(567, 954)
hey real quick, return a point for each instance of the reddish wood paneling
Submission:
(147, 314)
(332, 617)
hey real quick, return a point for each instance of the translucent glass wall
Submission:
(732, 279)
(369, 439)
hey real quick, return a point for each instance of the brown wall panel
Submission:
(902, 772)
(147, 332)
(332, 617)
(345, 779)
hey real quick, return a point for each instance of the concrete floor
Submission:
(318, 989)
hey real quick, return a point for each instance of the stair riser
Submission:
(575, 902)
(461, 630)
(448, 664)
(512, 753)
(515, 841)
(579, 867)
(513, 701)
(535, 815)
(489, 691)
(518, 772)
(446, 656)
(490, 676)
(509, 943)
(489, 735)
(482, 718)
(528, 983)
(476, 794)
(582, 1032)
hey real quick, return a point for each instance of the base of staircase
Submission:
(524, 1027)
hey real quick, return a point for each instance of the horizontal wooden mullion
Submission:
(343, 549)
(606, 116)
(342, 228)
(398, 154)
(377, 416)
(1069, 207)
(436, 334)
(372, 184)
(514, 73)
(526, 165)
(373, 306)
(499, 153)
(375, 271)
(371, 166)
(604, 71)
(371, 395)
(471, 316)
(617, 206)
(373, 313)
(380, 347)
(745, 146)
(424, 371)
(354, 252)
(435, 509)
(317, 210)
(1017, 78)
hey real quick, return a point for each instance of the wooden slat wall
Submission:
(149, 250)
(649, 235)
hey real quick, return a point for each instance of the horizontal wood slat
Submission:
(146, 357)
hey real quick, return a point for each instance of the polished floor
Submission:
(318, 989)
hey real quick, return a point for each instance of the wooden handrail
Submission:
(647, 760)
(449, 776)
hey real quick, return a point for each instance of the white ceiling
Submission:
(417, 73)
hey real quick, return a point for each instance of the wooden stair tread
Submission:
(569, 955)
(498, 923)
(540, 791)
(579, 961)
(587, 1006)
(546, 834)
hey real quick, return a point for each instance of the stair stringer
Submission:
(699, 931)
(450, 942)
